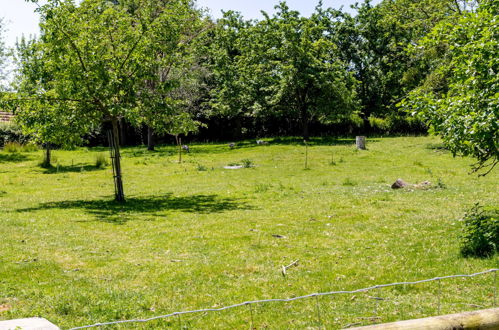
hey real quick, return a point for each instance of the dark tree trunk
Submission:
(305, 122)
(47, 159)
(114, 146)
(238, 128)
(123, 128)
(179, 142)
(150, 139)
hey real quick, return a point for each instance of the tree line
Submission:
(101, 65)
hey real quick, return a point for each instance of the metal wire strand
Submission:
(281, 300)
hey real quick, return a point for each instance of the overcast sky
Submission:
(19, 16)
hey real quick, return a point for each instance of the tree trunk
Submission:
(47, 159)
(114, 146)
(122, 132)
(179, 142)
(238, 128)
(150, 139)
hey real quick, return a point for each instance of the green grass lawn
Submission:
(195, 235)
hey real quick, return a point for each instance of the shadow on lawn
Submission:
(72, 168)
(13, 157)
(223, 147)
(119, 213)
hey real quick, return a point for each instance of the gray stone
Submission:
(34, 323)
(399, 184)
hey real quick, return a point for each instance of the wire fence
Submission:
(490, 295)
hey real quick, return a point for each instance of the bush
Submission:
(101, 160)
(202, 168)
(10, 132)
(480, 236)
(397, 124)
(247, 163)
(30, 147)
(12, 147)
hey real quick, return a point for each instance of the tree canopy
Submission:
(284, 65)
(460, 96)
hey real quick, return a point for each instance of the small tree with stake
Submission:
(101, 56)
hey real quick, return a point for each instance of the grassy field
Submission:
(196, 235)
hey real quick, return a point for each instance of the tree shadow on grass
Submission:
(120, 213)
(13, 157)
(72, 169)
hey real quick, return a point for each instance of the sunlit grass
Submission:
(196, 235)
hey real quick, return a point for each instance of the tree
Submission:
(460, 98)
(104, 56)
(284, 65)
(231, 95)
(45, 119)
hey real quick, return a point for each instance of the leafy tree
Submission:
(104, 59)
(285, 65)
(459, 98)
(220, 49)
(46, 119)
(374, 42)
(304, 76)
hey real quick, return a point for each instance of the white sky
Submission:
(20, 19)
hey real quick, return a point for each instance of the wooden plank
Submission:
(484, 319)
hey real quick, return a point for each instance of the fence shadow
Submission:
(120, 213)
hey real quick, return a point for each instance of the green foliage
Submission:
(284, 66)
(12, 147)
(124, 73)
(247, 163)
(201, 168)
(395, 123)
(10, 132)
(480, 233)
(101, 160)
(460, 99)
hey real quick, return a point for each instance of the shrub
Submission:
(10, 132)
(30, 147)
(12, 147)
(101, 160)
(247, 163)
(480, 233)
